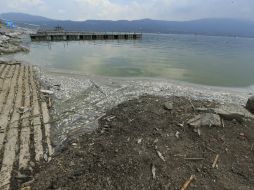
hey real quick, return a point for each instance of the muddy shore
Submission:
(141, 144)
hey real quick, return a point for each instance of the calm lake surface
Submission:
(208, 60)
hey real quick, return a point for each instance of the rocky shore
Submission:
(10, 41)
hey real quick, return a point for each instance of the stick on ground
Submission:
(192, 105)
(215, 160)
(188, 182)
(194, 159)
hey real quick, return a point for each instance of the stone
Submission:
(49, 92)
(168, 106)
(195, 122)
(229, 112)
(177, 135)
(250, 104)
(32, 164)
(205, 120)
(232, 111)
(202, 110)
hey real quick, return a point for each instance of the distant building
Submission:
(57, 29)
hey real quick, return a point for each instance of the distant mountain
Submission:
(228, 27)
(22, 17)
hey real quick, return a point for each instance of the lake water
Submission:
(208, 60)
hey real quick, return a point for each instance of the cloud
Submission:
(105, 9)
(24, 4)
(133, 9)
(165, 9)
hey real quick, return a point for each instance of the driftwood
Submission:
(215, 161)
(188, 182)
(222, 122)
(194, 159)
(208, 148)
(192, 105)
(49, 103)
(161, 156)
(153, 171)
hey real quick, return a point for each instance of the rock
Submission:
(72, 164)
(32, 164)
(177, 135)
(195, 122)
(202, 110)
(45, 156)
(168, 106)
(229, 112)
(250, 104)
(49, 92)
(232, 111)
(210, 120)
(205, 120)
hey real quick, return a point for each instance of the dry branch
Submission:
(161, 156)
(193, 107)
(188, 182)
(194, 159)
(215, 160)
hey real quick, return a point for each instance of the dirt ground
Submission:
(141, 145)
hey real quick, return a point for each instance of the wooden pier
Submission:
(75, 36)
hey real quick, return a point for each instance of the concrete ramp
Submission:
(24, 125)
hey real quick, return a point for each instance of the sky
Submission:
(132, 9)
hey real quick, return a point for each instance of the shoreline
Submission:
(76, 74)
(85, 98)
(11, 41)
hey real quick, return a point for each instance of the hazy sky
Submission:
(132, 9)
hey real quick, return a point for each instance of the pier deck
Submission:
(72, 36)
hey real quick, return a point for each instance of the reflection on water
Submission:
(219, 61)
